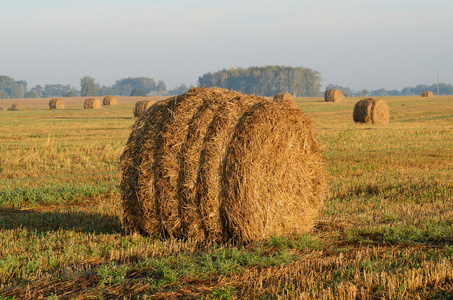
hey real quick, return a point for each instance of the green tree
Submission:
(126, 85)
(31, 94)
(138, 92)
(266, 81)
(4, 94)
(71, 93)
(179, 90)
(55, 90)
(160, 86)
(88, 86)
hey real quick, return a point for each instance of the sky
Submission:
(361, 44)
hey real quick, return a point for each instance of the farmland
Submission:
(386, 229)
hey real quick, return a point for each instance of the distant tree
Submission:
(71, 93)
(364, 93)
(179, 90)
(379, 92)
(138, 92)
(32, 94)
(14, 89)
(4, 94)
(266, 81)
(105, 90)
(38, 89)
(160, 86)
(88, 87)
(126, 85)
(55, 90)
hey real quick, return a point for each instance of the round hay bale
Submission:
(57, 103)
(110, 100)
(175, 168)
(283, 97)
(427, 94)
(17, 106)
(333, 95)
(372, 111)
(3, 108)
(92, 103)
(141, 106)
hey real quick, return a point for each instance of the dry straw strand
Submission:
(333, 95)
(372, 111)
(57, 103)
(92, 103)
(427, 94)
(17, 106)
(110, 100)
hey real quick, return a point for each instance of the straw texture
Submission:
(333, 95)
(110, 100)
(427, 94)
(187, 169)
(141, 106)
(17, 106)
(57, 103)
(92, 103)
(372, 111)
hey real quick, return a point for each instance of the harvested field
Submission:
(384, 230)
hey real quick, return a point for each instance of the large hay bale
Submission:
(372, 111)
(110, 100)
(17, 106)
(141, 106)
(186, 171)
(57, 103)
(92, 103)
(427, 94)
(333, 95)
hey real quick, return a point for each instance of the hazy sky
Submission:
(362, 44)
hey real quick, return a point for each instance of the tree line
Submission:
(266, 81)
(263, 81)
(443, 88)
(138, 86)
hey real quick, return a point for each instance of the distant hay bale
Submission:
(213, 164)
(427, 94)
(57, 103)
(141, 106)
(17, 106)
(3, 108)
(92, 103)
(285, 98)
(333, 95)
(372, 111)
(110, 100)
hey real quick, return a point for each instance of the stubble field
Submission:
(385, 232)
